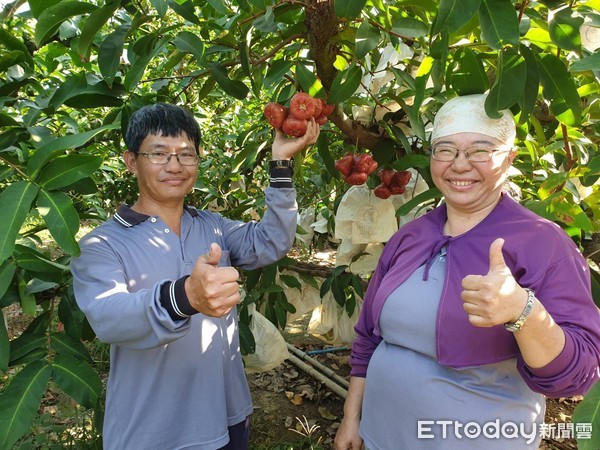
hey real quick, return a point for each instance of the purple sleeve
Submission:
(576, 368)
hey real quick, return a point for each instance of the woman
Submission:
(476, 311)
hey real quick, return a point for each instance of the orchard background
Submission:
(72, 73)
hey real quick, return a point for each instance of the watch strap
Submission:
(281, 163)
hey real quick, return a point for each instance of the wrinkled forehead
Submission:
(467, 114)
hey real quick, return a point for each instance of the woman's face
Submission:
(469, 187)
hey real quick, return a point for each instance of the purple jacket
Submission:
(541, 257)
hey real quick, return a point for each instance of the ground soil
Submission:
(286, 396)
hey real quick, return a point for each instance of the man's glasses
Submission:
(474, 154)
(185, 158)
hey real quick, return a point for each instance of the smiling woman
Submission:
(470, 313)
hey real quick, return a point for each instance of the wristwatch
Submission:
(281, 163)
(518, 324)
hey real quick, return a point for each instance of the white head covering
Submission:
(467, 114)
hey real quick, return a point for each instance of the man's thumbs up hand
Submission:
(212, 290)
(494, 298)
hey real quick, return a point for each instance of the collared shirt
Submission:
(176, 379)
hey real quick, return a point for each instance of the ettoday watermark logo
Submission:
(443, 429)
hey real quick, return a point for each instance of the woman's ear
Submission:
(130, 160)
(512, 154)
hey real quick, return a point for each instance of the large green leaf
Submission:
(189, 42)
(51, 18)
(30, 259)
(12, 43)
(510, 82)
(68, 169)
(344, 85)
(412, 28)
(499, 24)
(468, 75)
(564, 29)
(25, 344)
(20, 401)
(77, 379)
(235, 88)
(453, 14)
(528, 98)
(161, 6)
(79, 93)
(186, 10)
(4, 344)
(110, 52)
(349, 8)
(7, 272)
(367, 39)
(587, 412)
(308, 81)
(62, 220)
(93, 24)
(59, 145)
(143, 51)
(63, 344)
(559, 88)
(277, 71)
(16, 202)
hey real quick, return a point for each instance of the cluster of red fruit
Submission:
(356, 168)
(392, 183)
(293, 120)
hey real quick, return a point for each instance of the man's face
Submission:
(163, 184)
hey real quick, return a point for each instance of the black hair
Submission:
(161, 119)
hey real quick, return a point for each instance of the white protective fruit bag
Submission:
(271, 349)
(363, 218)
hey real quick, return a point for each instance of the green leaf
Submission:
(189, 42)
(588, 412)
(453, 14)
(509, 84)
(559, 88)
(499, 24)
(161, 7)
(109, 54)
(61, 218)
(277, 71)
(63, 344)
(349, 8)
(7, 272)
(590, 62)
(564, 29)
(12, 43)
(20, 401)
(30, 259)
(58, 145)
(528, 99)
(344, 85)
(68, 169)
(37, 7)
(231, 87)
(308, 81)
(417, 200)
(291, 281)
(468, 76)
(410, 27)
(186, 10)
(367, 39)
(51, 18)
(77, 379)
(247, 342)
(16, 202)
(95, 21)
(26, 344)
(4, 344)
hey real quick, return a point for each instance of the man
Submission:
(157, 283)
